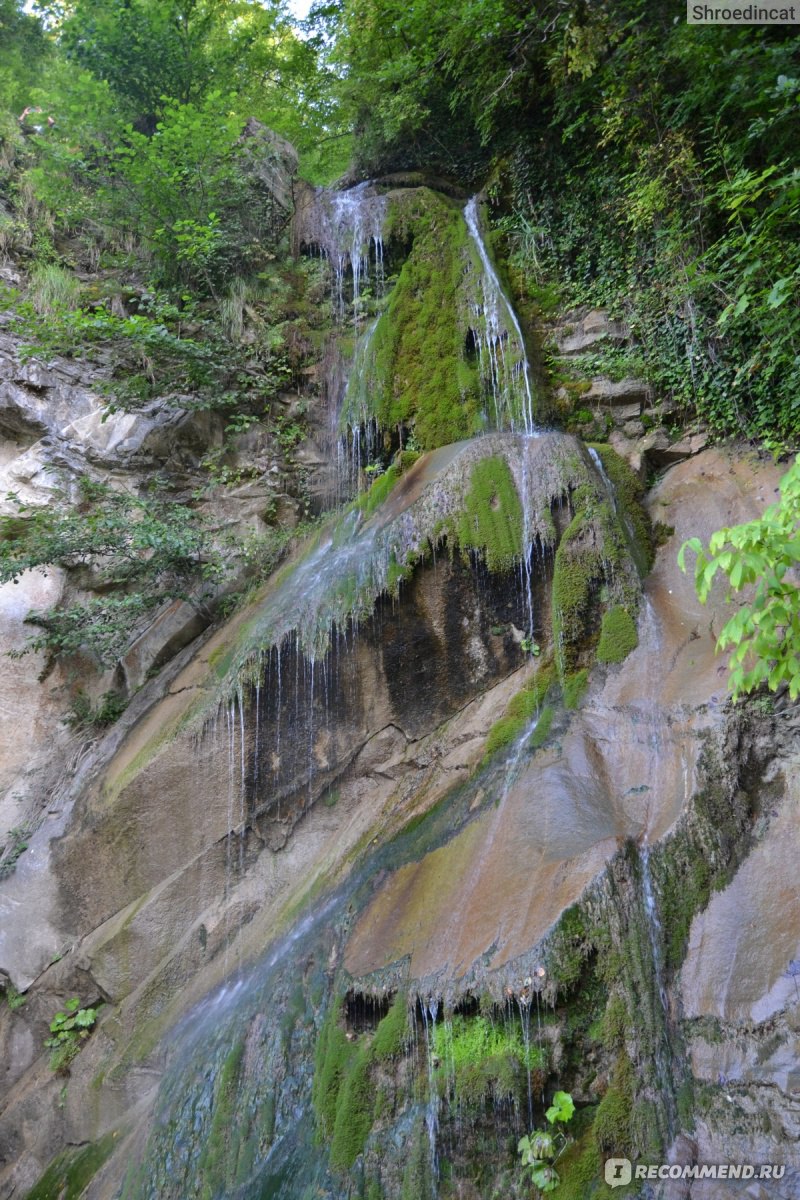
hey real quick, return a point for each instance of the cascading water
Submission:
(501, 345)
(347, 228)
(430, 1011)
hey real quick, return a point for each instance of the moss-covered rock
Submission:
(70, 1173)
(618, 636)
(417, 370)
(521, 710)
(612, 1122)
(629, 491)
(492, 519)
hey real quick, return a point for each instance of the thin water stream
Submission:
(503, 356)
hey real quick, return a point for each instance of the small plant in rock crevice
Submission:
(540, 1149)
(69, 1030)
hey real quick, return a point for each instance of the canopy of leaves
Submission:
(639, 163)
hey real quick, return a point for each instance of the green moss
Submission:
(221, 1148)
(369, 501)
(579, 1168)
(331, 1062)
(70, 1173)
(629, 491)
(354, 1111)
(484, 1060)
(577, 574)
(614, 1023)
(520, 712)
(344, 1095)
(618, 635)
(392, 1033)
(574, 687)
(543, 727)
(492, 520)
(612, 1128)
(569, 947)
(417, 1176)
(398, 573)
(418, 370)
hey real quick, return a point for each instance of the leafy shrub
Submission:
(539, 1150)
(143, 550)
(764, 634)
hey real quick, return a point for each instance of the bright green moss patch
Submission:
(354, 1105)
(344, 1096)
(520, 711)
(543, 727)
(483, 1059)
(372, 499)
(331, 1062)
(369, 501)
(574, 687)
(492, 520)
(618, 635)
(393, 1032)
(579, 1169)
(70, 1173)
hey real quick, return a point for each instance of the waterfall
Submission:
(347, 229)
(653, 921)
(501, 345)
(430, 1011)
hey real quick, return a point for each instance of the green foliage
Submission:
(53, 291)
(618, 635)
(23, 49)
(539, 1150)
(764, 633)
(16, 843)
(492, 519)
(154, 53)
(69, 1029)
(85, 715)
(481, 1059)
(139, 550)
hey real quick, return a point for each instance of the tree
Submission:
(764, 633)
(23, 46)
